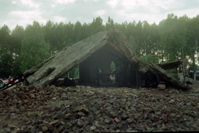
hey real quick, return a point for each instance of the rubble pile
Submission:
(87, 109)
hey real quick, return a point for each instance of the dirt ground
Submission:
(87, 109)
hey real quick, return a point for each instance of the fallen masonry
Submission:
(87, 109)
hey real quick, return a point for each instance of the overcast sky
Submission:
(23, 12)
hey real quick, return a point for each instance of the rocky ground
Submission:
(86, 109)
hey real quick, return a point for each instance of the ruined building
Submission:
(104, 59)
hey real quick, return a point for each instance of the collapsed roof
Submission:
(63, 61)
(170, 65)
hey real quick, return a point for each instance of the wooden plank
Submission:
(65, 60)
(170, 79)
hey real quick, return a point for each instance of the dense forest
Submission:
(172, 39)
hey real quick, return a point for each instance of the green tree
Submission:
(6, 54)
(49, 35)
(173, 32)
(138, 38)
(192, 47)
(150, 58)
(110, 24)
(5, 39)
(34, 48)
(77, 32)
(96, 26)
(17, 37)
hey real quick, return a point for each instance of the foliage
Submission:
(173, 38)
(149, 58)
(34, 49)
(6, 59)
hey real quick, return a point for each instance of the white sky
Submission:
(23, 12)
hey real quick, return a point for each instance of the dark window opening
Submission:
(69, 79)
(107, 68)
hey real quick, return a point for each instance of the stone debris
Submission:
(86, 109)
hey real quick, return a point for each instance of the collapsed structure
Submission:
(95, 57)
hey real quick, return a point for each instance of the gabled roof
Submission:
(63, 61)
(71, 56)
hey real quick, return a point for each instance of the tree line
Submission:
(172, 39)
